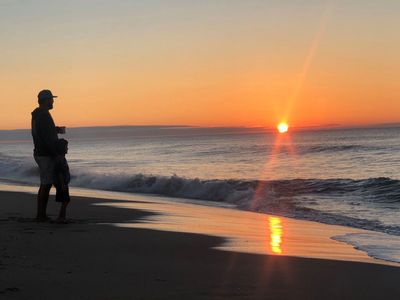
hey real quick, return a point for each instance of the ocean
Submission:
(341, 176)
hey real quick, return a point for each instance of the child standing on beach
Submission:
(62, 178)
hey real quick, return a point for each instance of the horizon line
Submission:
(324, 126)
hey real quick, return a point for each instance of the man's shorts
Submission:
(47, 167)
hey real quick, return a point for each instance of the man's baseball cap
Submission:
(46, 94)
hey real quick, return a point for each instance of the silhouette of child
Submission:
(62, 179)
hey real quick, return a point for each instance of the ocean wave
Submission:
(297, 198)
(324, 148)
(375, 190)
(302, 149)
(335, 148)
(18, 168)
(375, 244)
(281, 197)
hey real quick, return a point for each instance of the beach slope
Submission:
(92, 259)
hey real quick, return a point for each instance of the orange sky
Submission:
(227, 63)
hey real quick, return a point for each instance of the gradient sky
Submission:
(207, 63)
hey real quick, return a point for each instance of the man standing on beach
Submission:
(44, 133)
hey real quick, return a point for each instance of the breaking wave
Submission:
(297, 198)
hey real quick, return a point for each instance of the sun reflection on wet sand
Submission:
(276, 233)
(245, 232)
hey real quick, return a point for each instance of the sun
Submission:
(283, 127)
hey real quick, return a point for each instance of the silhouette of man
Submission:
(44, 134)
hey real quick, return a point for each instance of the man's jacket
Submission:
(44, 133)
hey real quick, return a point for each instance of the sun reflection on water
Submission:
(276, 232)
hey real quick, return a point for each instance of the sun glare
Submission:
(283, 127)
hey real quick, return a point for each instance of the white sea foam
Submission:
(375, 244)
(298, 198)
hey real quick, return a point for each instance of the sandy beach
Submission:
(200, 150)
(92, 259)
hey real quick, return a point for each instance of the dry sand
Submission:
(90, 259)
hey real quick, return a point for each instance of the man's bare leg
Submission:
(63, 210)
(42, 199)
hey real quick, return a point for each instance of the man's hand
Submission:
(60, 129)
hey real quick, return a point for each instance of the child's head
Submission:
(62, 146)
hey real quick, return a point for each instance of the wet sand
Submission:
(92, 259)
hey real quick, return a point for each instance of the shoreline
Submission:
(89, 259)
(264, 234)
